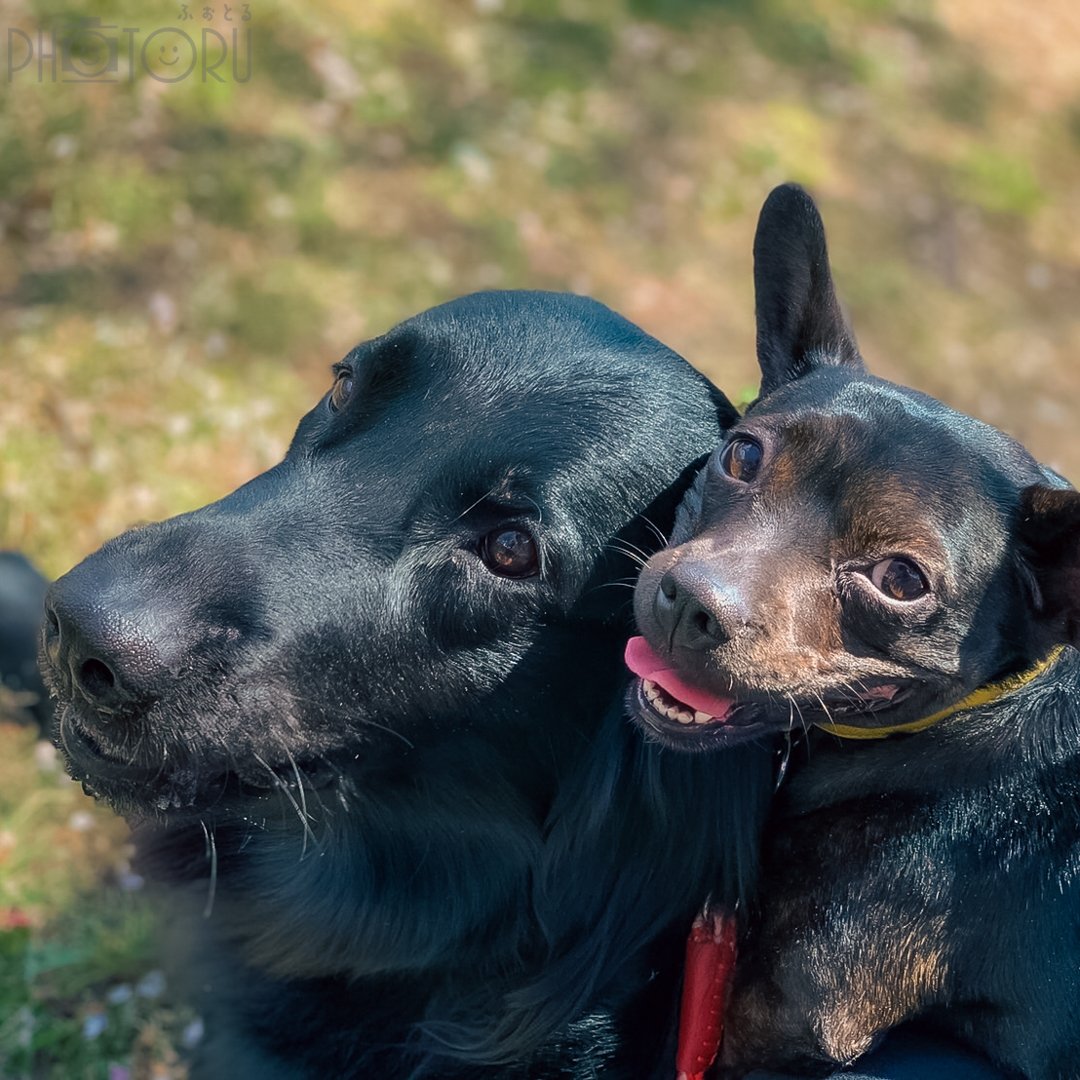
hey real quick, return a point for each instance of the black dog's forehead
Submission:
(546, 403)
(515, 341)
(517, 361)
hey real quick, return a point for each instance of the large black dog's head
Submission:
(438, 552)
(855, 551)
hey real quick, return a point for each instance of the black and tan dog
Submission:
(859, 561)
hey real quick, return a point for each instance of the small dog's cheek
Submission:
(647, 585)
(686, 522)
(688, 514)
(819, 620)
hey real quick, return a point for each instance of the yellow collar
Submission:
(984, 695)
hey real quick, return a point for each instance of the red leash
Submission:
(710, 963)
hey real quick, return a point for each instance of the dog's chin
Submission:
(752, 717)
(184, 787)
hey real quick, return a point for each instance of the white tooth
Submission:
(671, 712)
(648, 685)
(685, 717)
(702, 717)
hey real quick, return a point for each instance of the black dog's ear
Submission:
(799, 322)
(1050, 530)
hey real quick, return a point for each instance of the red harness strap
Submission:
(710, 963)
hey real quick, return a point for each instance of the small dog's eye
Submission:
(742, 458)
(510, 553)
(342, 390)
(899, 579)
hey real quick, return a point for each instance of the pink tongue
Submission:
(645, 663)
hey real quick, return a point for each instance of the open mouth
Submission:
(861, 701)
(678, 713)
(672, 708)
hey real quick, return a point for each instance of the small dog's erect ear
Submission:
(1050, 529)
(799, 322)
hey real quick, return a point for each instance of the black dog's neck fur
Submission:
(565, 929)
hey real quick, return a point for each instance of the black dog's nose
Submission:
(156, 611)
(695, 610)
(114, 650)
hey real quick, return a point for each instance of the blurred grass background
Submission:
(180, 263)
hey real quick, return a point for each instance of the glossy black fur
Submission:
(932, 876)
(405, 825)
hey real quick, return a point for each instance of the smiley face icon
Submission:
(169, 55)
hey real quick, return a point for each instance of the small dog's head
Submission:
(854, 551)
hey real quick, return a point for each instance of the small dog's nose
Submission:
(697, 611)
(110, 650)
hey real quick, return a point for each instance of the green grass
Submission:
(180, 264)
(79, 986)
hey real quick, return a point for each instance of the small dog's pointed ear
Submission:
(1050, 530)
(799, 322)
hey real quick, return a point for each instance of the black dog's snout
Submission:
(115, 650)
(151, 613)
(696, 611)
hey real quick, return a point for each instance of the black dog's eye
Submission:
(510, 553)
(342, 390)
(742, 458)
(899, 579)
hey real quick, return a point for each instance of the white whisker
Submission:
(211, 853)
(656, 530)
(284, 790)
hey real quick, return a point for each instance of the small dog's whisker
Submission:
(612, 585)
(798, 710)
(657, 532)
(473, 505)
(326, 816)
(628, 546)
(781, 772)
(368, 723)
(539, 508)
(637, 557)
(824, 707)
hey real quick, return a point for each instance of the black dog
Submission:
(375, 695)
(861, 560)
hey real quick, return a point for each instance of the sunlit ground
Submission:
(180, 264)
